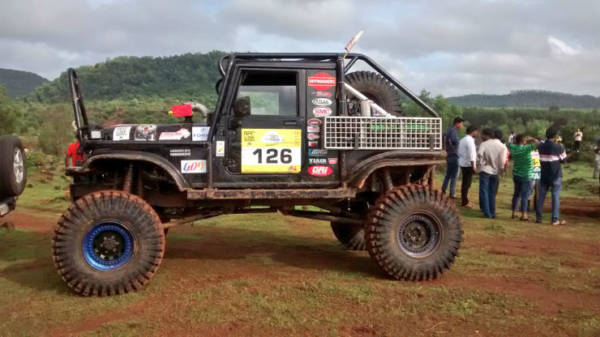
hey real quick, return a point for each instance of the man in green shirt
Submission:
(520, 152)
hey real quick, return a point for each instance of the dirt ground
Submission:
(270, 275)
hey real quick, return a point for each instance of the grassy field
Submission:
(271, 275)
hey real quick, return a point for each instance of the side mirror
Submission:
(241, 107)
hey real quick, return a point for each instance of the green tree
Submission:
(9, 112)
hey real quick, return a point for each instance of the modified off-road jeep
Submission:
(288, 130)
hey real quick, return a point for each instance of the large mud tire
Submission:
(352, 237)
(108, 243)
(377, 89)
(13, 168)
(413, 233)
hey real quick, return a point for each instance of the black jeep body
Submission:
(285, 131)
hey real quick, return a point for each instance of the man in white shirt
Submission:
(596, 158)
(467, 158)
(491, 159)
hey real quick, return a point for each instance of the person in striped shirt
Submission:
(552, 155)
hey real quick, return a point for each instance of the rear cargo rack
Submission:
(382, 133)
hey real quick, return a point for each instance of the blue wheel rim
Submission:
(107, 246)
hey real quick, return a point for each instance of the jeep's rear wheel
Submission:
(377, 89)
(413, 233)
(107, 243)
(352, 237)
(13, 171)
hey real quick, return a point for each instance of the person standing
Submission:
(467, 158)
(490, 163)
(552, 155)
(520, 151)
(578, 137)
(451, 142)
(511, 137)
(596, 158)
(536, 174)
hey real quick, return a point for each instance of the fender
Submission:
(146, 157)
(364, 169)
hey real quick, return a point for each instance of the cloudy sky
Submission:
(448, 47)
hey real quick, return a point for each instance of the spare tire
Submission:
(377, 89)
(13, 171)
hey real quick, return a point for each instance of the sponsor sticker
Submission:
(321, 101)
(200, 133)
(320, 170)
(313, 136)
(180, 152)
(193, 166)
(314, 121)
(317, 152)
(121, 133)
(322, 111)
(332, 161)
(313, 143)
(319, 93)
(317, 161)
(177, 135)
(145, 132)
(220, 148)
(313, 128)
(321, 81)
(96, 134)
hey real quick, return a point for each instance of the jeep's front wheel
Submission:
(107, 243)
(413, 233)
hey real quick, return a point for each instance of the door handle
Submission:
(290, 123)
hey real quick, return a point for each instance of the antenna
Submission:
(350, 45)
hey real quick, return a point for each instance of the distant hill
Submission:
(20, 83)
(529, 98)
(183, 76)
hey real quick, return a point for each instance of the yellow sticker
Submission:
(271, 150)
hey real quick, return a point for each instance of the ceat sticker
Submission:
(323, 94)
(321, 81)
(314, 121)
(193, 166)
(271, 151)
(320, 170)
(313, 128)
(145, 132)
(200, 133)
(322, 112)
(180, 152)
(220, 148)
(313, 143)
(332, 161)
(121, 133)
(317, 153)
(317, 161)
(321, 101)
(177, 135)
(313, 136)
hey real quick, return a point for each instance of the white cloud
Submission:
(560, 47)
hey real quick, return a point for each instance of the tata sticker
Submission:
(317, 161)
(145, 132)
(317, 152)
(193, 166)
(321, 81)
(96, 134)
(313, 136)
(322, 112)
(332, 161)
(220, 148)
(328, 94)
(320, 170)
(313, 128)
(121, 133)
(200, 133)
(313, 143)
(180, 152)
(321, 101)
(314, 121)
(177, 135)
